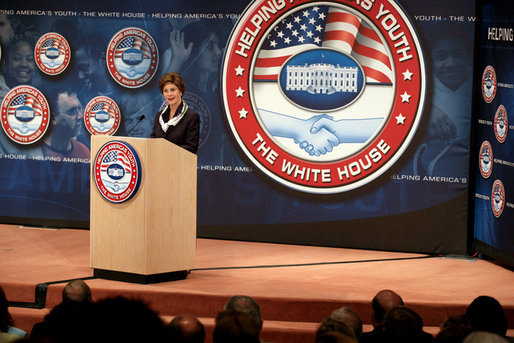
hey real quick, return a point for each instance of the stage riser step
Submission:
(276, 309)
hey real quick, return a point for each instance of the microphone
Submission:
(139, 120)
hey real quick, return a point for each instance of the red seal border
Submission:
(37, 53)
(87, 115)
(136, 171)
(21, 139)
(386, 148)
(115, 40)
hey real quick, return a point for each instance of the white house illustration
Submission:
(321, 78)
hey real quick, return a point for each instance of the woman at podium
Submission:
(177, 122)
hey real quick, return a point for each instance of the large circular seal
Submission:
(52, 53)
(132, 57)
(102, 116)
(117, 171)
(24, 114)
(324, 97)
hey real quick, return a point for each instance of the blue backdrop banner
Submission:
(386, 166)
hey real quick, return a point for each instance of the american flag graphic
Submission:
(102, 106)
(25, 100)
(327, 27)
(132, 43)
(52, 43)
(115, 156)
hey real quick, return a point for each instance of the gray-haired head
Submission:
(350, 317)
(245, 304)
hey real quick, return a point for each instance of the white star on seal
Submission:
(239, 92)
(239, 71)
(407, 75)
(400, 119)
(243, 113)
(405, 97)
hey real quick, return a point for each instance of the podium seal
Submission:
(117, 171)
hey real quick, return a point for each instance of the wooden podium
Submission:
(152, 236)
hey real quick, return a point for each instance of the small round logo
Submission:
(52, 53)
(324, 97)
(117, 171)
(489, 84)
(501, 124)
(102, 116)
(25, 114)
(486, 159)
(132, 57)
(497, 198)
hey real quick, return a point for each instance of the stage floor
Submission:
(296, 286)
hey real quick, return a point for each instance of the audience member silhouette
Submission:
(186, 329)
(77, 290)
(245, 304)
(486, 314)
(331, 325)
(350, 317)
(453, 330)
(120, 319)
(484, 337)
(77, 296)
(334, 337)
(404, 325)
(66, 322)
(6, 321)
(235, 327)
(382, 302)
(116, 319)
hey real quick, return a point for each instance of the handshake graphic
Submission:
(319, 134)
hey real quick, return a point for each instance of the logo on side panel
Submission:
(486, 159)
(497, 198)
(117, 171)
(52, 53)
(324, 97)
(132, 57)
(489, 84)
(24, 114)
(102, 116)
(501, 124)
